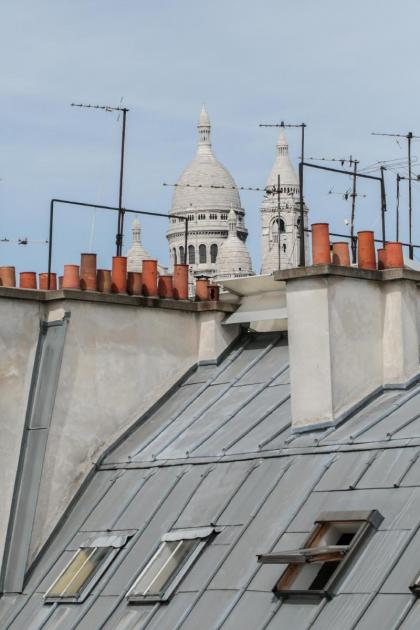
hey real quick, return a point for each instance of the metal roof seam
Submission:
(124, 552)
(218, 397)
(228, 361)
(219, 564)
(245, 402)
(413, 532)
(265, 415)
(306, 496)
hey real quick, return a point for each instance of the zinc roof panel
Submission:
(154, 424)
(268, 365)
(384, 611)
(210, 421)
(406, 569)
(245, 419)
(210, 607)
(254, 350)
(373, 563)
(290, 616)
(252, 610)
(340, 613)
(387, 468)
(345, 470)
(217, 489)
(173, 429)
(270, 519)
(278, 420)
(411, 622)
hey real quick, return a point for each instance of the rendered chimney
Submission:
(349, 336)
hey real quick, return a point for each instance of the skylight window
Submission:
(84, 570)
(315, 569)
(175, 555)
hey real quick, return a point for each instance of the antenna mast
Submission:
(124, 110)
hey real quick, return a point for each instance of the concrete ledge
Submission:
(114, 298)
(347, 272)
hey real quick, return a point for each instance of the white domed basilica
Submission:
(205, 193)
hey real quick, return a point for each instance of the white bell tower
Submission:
(280, 244)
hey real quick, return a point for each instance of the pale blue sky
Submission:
(346, 69)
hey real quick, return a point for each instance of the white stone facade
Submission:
(284, 254)
(233, 260)
(205, 193)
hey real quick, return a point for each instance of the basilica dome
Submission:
(195, 186)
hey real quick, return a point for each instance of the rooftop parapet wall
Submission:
(121, 355)
(351, 333)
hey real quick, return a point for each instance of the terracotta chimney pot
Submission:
(8, 276)
(104, 282)
(119, 274)
(71, 278)
(381, 258)
(341, 255)
(165, 287)
(321, 254)
(213, 292)
(134, 283)
(149, 277)
(366, 250)
(43, 281)
(27, 280)
(202, 289)
(394, 258)
(180, 282)
(88, 281)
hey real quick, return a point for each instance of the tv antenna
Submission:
(409, 137)
(123, 110)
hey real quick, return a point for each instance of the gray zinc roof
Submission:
(219, 451)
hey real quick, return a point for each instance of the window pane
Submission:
(166, 563)
(77, 574)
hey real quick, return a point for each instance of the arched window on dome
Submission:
(213, 253)
(181, 255)
(191, 254)
(174, 256)
(202, 254)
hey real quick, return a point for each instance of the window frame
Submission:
(110, 542)
(204, 534)
(296, 559)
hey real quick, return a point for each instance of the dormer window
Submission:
(175, 555)
(84, 570)
(314, 570)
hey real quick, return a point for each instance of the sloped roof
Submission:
(219, 450)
